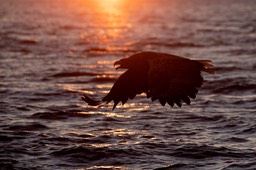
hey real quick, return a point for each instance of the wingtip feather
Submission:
(207, 66)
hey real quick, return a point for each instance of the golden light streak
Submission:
(112, 27)
(107, 114)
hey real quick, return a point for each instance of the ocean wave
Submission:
(103, 79)
(28, 42)
(236, 88)
(28, 127)
(234, 85)
(59, 115)
(102, 51)
(166, 43)
(179, 166)
(245, 166)
(193, 151)
(87, 154)
(73, 74)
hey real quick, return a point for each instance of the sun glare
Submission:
(111, 1)
(110, 6)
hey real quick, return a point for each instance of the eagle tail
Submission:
(207, 66)
(91, 101)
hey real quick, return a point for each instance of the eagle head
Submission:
(135, 61)
(123, 63)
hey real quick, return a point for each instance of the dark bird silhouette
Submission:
(165, 77)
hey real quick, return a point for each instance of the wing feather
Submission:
(174, 79)
(127, 86)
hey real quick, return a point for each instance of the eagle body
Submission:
(165, 77)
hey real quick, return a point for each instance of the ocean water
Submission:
(54, 51)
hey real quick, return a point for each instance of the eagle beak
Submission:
(118, 63)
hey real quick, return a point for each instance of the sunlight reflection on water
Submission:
(107, 114)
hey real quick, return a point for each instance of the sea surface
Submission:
(54, 51)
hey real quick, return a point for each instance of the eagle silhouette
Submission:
(165, 77)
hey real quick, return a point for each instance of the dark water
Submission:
(52, 52)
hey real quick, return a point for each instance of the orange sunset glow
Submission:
(112, 26)
(109, 4)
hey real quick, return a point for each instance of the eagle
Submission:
(164, 77)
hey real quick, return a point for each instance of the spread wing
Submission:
(128, 85)
(174, 79)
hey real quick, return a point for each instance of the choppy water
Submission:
(52, 52)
